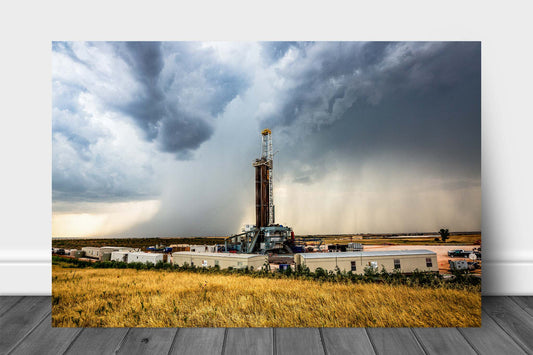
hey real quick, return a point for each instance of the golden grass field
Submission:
(154, 298)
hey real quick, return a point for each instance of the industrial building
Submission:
(406, 261)
(222, 260)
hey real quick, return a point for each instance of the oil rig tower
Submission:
(265, 236)
(264, 179)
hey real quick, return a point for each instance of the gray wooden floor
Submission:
(25, 328)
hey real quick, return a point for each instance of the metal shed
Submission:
(222, 260)
(406, 261)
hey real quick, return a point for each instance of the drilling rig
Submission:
(265, 236)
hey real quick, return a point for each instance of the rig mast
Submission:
(265, 236)
(269, 156)
(264, 189)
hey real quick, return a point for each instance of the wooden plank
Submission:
(443, 341)
(304, 341)
(6, 302)
(394, 341)
(346, 341)
(46, 340)
(243, 341)
(98, 341)
(148, 341)
(512, 318)
(490, 338)
(21, 319)
(198, 341)
(526, 302)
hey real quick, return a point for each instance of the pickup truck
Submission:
(460, 253)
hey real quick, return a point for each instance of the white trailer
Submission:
(222, 260)
(119, 256)
(98, 252)
(141, 257)
(203, 248)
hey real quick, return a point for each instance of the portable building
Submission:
(73, 252)
(97, 252)
(80, 254)
(407, 261)
(222, 260)
(92, 252)
(119, 256)
(140, 257)
(203, 248)
(112, 249)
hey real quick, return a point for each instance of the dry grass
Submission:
(131, 298)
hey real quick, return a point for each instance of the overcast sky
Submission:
(158, 139)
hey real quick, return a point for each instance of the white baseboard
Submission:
(26, 278)
(502, 278)
(507, 278)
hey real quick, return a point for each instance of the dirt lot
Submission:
(441, 250)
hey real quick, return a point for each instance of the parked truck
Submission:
(460, 253)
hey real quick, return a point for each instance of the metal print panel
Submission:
(266, 184)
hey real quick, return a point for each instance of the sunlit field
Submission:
(157, 298)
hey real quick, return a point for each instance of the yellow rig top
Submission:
(266, 131)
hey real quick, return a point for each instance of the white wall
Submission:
(25, 72)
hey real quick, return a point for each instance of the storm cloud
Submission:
(362, 101)
(172, 92)
(372, 136)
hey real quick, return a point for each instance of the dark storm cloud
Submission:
(412, 101)
(181, 133)
(177, 125)
(146, 62)
(172, 92)
(160, 101)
